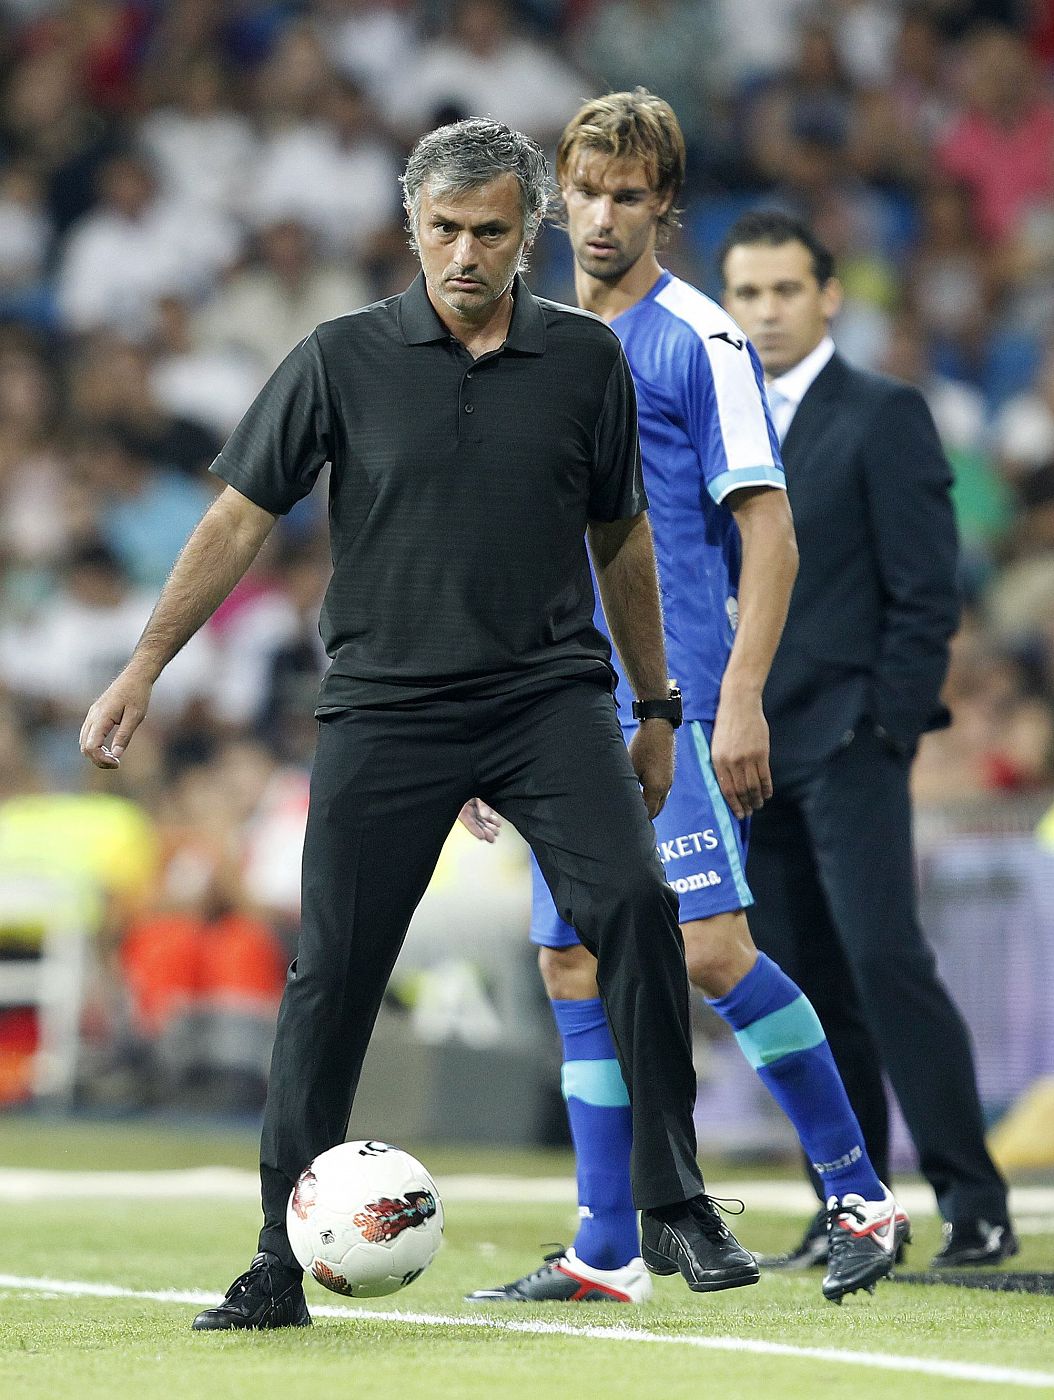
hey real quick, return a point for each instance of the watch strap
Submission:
(670, 709)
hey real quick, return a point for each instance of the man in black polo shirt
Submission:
(475, 435)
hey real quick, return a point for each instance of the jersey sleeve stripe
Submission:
(743, 477)
(738, 393)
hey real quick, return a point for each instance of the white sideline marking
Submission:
(917, 1365)
(238, 1184)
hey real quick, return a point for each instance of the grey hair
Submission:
(454, 159)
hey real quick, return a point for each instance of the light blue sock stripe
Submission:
(596, 1082)
(770, 1038)
(721, 812)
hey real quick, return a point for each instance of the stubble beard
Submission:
(476, 306)
(604, 270)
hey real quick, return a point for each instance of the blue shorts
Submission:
(701, 844)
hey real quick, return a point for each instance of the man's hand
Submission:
(651, 753)
(481, 820)
(118, 712)
(740, 752)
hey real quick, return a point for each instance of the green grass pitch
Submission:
(90, 1348)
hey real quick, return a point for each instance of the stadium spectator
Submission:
(983, 504)
(849, 216)
(268, 646)
(335, 173)
(806, 110)
(26, 231)
(371, 41)
(289, 86)
(203, 149)
(1002, 145)
(755, 37)
(204, 971)
(949, 280)
(1003, 736)
(205, 386)
(103, 842)
(71, 640)
(113, 385)
(866, 34)
(667, 46)
(905, 117)
(135, 247)
(280, 296)
(482, 66)
(39, 513)
(1020, 602)
(1024, 427)
(144, 512)
(48, 123)
(105, 37)
(294, 664)
(269, 799)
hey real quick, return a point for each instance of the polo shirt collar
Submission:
(420, 325)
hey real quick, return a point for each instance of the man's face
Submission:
(774, 295)
(470, 245)
(612, 212)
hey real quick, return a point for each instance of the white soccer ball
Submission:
(365, 1219)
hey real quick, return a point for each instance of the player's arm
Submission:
(218, 553)
(740, 745)
(742, 471)
(624, 562)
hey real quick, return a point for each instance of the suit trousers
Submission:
(831, 865)
(386, 788)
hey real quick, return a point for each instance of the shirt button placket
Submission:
(467, 406)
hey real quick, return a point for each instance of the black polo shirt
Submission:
(460, 491)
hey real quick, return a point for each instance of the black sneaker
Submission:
(268, 1294)
(691, 1238)
(809, 1253)
(564, 1278)
(969, 1243)
(863, 1240)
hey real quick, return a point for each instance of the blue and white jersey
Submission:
(705, 432)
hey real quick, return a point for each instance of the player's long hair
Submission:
(633, 125)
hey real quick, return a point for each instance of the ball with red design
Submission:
(365, 1219)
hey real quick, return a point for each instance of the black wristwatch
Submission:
(669, 709)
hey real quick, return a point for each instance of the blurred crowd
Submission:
(187, 187)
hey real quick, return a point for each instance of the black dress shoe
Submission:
(968, 1243)
(690, 1238)
(268, 1294)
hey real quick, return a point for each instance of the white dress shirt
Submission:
(786, 392)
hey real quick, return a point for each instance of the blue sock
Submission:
(602, 1131)
(781, 1036)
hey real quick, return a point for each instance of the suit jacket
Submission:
(875, 602)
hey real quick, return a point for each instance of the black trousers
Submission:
(831, 867)
(386, 788)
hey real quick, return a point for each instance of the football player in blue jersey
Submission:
(727, 559)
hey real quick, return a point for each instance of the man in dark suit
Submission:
(855, 682)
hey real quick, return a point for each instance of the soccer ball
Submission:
(365, 1219)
